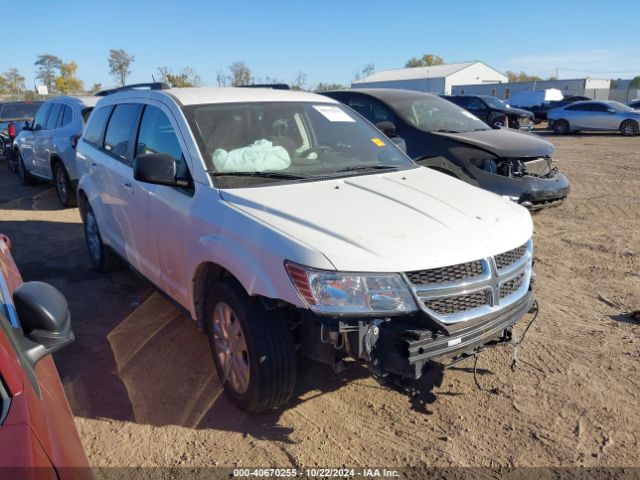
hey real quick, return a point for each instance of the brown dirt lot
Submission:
(142, 386)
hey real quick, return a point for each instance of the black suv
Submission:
(493, 111)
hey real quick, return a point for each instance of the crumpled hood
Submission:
(504, 142)
(389, 222)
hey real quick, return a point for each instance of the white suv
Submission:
(46, 149)
(283, 220)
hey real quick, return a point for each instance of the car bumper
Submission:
(546, 192)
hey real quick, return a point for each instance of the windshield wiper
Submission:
(366, 167)
(443, 130)
(286, 176)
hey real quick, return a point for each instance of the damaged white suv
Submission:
(284, 221)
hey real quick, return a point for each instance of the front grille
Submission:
(452, 273)
(459, 303)
(505, 259)
(511, 286)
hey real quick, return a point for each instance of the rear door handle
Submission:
(128, 187)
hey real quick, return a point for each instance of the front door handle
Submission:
(128, 187)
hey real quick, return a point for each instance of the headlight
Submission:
(509, 197)
(343, 293)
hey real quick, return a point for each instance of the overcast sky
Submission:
(328, 40)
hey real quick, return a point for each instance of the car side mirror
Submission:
(158, 169)
(45, 320)
(27, 126)
(388, 128)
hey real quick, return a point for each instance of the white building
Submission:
(434, 79)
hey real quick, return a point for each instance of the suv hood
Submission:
(518, 111)
(392, 222)
(504, 142)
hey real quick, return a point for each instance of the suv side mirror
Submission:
(44, 316)
(388, 128)
(27, 126)
(157, 168)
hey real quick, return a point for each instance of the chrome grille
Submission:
(458, 303)
(473, 289)
(461, 271)
(511, 286)
(505, 259)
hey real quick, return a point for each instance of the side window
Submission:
(476, 104)
(65, 116)
(581, 107)
(156, 135)
(121, 125)
(97, 121)
(41, 116)
(598, 107)
(381, 113)
(52, 119)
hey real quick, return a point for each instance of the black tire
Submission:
(629, 128)
(64, 188)
(561, 127)
(25, 177)
(269, 355)
(102, 257)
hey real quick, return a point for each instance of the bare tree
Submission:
(222, 79)
(299, 82)
(187, 78)
(12, 81)
(326, 87)
(364, 72)
(240, 74)
(47, 65)
(119, 65)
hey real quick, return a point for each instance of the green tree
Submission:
(522, 77)
(11, 81)
(47, 65)
(120, 65)
(67, 81)
(427, 60)
(187, 78)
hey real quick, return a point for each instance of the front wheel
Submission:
(561, 127)
(101, 256)
(64, 188)
(629, 128)
(252, 349)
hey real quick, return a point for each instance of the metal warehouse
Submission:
(439, 79)
(595, 88)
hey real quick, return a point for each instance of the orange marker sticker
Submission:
(377, 142)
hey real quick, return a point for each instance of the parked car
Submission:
(13, 116)
(47, 148)
(38, 436)
(282, 221)
(539, 102)
(439, 135)
(493, 111)
(592, 115)
(635, 104)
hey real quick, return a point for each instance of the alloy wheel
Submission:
(231, 348)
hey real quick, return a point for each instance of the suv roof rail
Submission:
(275, 86)
(134, 86)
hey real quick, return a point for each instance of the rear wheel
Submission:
(561, 127)
(23, 174)
(252, 349)
(629, 128)
(102, 257)
(64, 188)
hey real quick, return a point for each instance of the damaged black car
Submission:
(440, 135)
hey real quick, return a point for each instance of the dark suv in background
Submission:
(493, 111)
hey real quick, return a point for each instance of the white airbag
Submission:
(261, 155)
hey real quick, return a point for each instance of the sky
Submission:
(327, 40)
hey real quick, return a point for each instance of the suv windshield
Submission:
(249, 143)
(434, 114)
(494, 102)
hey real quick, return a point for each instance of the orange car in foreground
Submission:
(38, 437)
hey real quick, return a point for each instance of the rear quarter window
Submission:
(95, 128)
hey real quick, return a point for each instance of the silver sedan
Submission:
(592, 115)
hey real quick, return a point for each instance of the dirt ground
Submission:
(141, 382)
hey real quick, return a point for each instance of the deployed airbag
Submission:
(261, 155)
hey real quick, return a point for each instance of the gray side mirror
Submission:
(45, 320)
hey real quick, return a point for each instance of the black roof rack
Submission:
(134, 86)
(275, 86)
